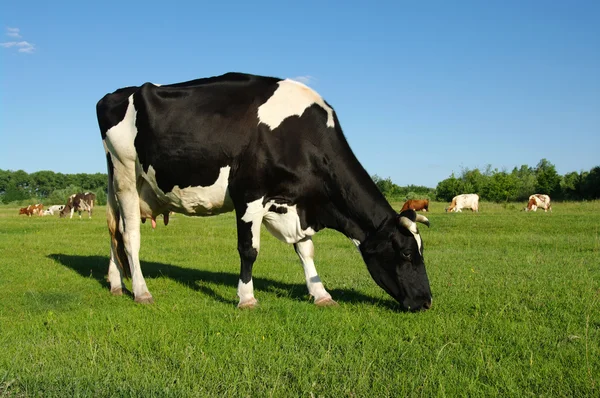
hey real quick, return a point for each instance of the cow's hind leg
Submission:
(129, 202)
(118, 266)
(249, 221)
(306, 251)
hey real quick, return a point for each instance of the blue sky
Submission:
(422, 89)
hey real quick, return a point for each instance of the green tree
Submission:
(449, 188)
(43, 182)
(571, 185)
(590, 187)
(14, 193)
(548, 180)
(501, 187)
(526, 182)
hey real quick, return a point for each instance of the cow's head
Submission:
(394, 257)
(23, 210)
(65, 211)
(531, 205)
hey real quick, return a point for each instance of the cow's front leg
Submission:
(306, 251)
(248, 229)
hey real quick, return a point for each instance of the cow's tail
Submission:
(113, 218)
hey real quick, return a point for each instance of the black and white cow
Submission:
(270, 149)
(79, 202)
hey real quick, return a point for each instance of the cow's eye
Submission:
(407, 256)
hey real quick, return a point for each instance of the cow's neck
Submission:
(357, 208)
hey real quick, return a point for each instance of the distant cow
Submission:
(79, 202)
(416, 204)
(38, 209)
(54, 208)
(539, 200)
(26, 210)
(464, 201)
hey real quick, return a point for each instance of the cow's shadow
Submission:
(96, 267)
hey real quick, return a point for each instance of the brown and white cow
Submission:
(539, 200)
(26, 210)
(36, 209)
(416, 204)
(464, 201)
(79, 202)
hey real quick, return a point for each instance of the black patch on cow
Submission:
(278, 209)
(111, 109)
(190, 151)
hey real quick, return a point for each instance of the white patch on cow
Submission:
(120, 141)
(291, 99)
(419, 242)
(197, 201)
(254, 214)
(306, 252)
(245, 292)
(285, 227)
(415, 231)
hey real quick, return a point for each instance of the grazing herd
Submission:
(77, 202)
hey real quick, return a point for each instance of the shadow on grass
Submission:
(97, 268)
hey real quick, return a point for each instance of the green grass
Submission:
(515, 313)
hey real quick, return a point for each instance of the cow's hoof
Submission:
(116, 291)
(145, 298)
(248, 304)
(326, 302)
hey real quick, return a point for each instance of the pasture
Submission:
(516, 312)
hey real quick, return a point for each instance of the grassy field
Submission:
(516, 312)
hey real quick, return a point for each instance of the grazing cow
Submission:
(270, 149)
(36, 209)
(464, 201)
(26, 210)
(54, 208)
(539, 200)
(416, 205)
(79, 202)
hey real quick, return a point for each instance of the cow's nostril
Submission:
(427, 305)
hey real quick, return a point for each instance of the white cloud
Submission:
(13, 32)
(22, 46)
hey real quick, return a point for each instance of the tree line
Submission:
(48, 187)
(490, 184)
(502, 186)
